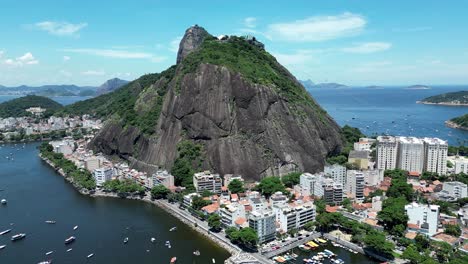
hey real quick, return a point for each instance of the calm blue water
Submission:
(393, 104)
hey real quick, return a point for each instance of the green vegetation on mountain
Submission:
(454, 98)
(188, 161)
(253, 63)
(349, 135)
(17, 107)
(461, 121)
(121, 103)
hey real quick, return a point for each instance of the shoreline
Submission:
(442, 103)
(454, 125)
(192, 223)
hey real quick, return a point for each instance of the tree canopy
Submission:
(236, 186)
(291, 179)
(393, 215)
(270, 185)
(159, 192)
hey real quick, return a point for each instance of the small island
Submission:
(418, 87)
(460, 122)
(28, 105)
(459, 98)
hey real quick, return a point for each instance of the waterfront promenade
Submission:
(291, 245)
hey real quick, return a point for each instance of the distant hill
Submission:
(459, 98)
(17, 107)
(63, 90)
(308, 84)
(460, 122)
(110, 85)
(418, 87)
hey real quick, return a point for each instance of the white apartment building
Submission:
(426, 217)
(386, 156)
(263, 222)
(278, 199)
(101, 175)
(336, 172)
(355, 184)
(206, 181)
(435, 155)
(410, 154)
(364, 144)
(455, 189)
(311, 184)
(187, 200)
(230, 177)
(92, 163)
(460, 165)
(231, 212)
(373, 177)
(295, 217)
(162, 177)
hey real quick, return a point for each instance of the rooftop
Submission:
(358, 154)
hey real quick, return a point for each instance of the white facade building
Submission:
(205, 181)
(364, 144)
(187, 200)
(455, 189)
(263, 222)
(101, 175)
(355, 184)
(426, 217)
(311, 184)
(162, 177)
(295, 217)
(336, 172)
(373, 177)
(460, 165)
(410, 154)
(230, 213)
(435, 155)
(386, 156)
(278, 199)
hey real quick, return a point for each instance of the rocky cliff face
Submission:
(244, 127)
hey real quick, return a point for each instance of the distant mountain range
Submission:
(64, 90)
(308, 84)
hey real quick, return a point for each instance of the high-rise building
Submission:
(355, 184)
(455, 189)
(435, 155)
(311, 184)
(332, 191)
(263, 222)
(373, 177)
(410, 155)
(461, 165)
(336, 172)
(386, 155)
(205, 181)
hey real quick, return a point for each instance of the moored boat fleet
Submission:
(318, 258)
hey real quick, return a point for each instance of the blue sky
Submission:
(351, 42)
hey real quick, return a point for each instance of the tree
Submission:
(453, 230)
(159, 192)
(396, 174)
(174, 197)
(377, 242)
(443, 251)
(340, 159)
(347, 204)
(449, 164)
(183, 172)
(236, 186)
(399, 188)
(310, 226)
(393, 215)
(270, 185)
(291, 179)
(214, 222)
(206, 193)
(421, 242)
(198, 202)
(411, 253)
(320, 206)
(248, 238)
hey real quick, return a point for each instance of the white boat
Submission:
(126, 240)
(50, 222)
(70, 240)
(196, 253)
(70, 249)
(45, 262)
(2, 246)
(75, 227)
(4, 232)
(173, 229)
(213, 260)
(3, 201)
(48, 253)
(153, 240)
(18, 237)
(90, 255)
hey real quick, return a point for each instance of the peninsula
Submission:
(460, 122)
(459, 98)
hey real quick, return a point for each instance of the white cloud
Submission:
(60, 28)
(250, 22)
(66, 58)
(94, 73)
(26, 59)
(119, 54)
(318, 28)
(174, 45)
(369, 47)
(299, 57)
